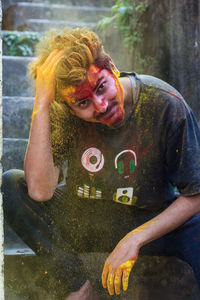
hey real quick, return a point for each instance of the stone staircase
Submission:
(42, 16)
(153, 278)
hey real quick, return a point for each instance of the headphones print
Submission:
(120, 164)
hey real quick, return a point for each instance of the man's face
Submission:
(99, 98)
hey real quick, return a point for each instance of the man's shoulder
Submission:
(153, 83)
(158, 84)
(162, 94)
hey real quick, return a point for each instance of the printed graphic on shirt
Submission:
(125, 163)
(92, 160)
(124, 196)
(89, 192)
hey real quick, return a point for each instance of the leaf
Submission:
(20, 44)
(106, 21)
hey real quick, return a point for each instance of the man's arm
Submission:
(120, 262)
(40, 172)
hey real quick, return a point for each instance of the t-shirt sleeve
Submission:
(183, 151)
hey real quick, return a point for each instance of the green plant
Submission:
(126, 15)
(129, 17)
(19, 44)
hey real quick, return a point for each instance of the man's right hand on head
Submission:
(45, 80)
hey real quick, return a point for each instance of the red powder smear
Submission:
(103, 103)
(93, 75)
(84, 90)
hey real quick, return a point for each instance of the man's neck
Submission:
(128, 95)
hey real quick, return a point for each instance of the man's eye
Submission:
(84, 103)
(102, 85)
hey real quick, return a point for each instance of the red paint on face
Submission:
(84, 90)
(103, 102)
(99, 98)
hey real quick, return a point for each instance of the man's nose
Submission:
(100, 104)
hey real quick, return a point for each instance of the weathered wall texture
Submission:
(172, 38)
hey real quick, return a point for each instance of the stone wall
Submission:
(172, 39)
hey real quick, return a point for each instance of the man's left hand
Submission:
(119, 264)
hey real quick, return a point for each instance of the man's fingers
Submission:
(113, 278)
(52, 60)
(110, 283)
(56, 60)
(127, 267)
(50, 57)
(117, 280)
(125, 278)
(104, 276)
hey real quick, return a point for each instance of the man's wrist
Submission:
(40, 106)
(137, 239)
(42, 101)
(140, 236)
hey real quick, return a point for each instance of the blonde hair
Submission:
(81, 49)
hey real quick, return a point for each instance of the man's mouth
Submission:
(108, 114)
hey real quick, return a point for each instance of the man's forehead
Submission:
(84, 90)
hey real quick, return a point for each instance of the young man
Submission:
(128, 140)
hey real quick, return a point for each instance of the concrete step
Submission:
(153, 277)
(17, 113)
(158, 278)
(45, 24)
(166, 278)
(21, 276)
(15, 79)
(13, 153)
(20, 13)
(91, 3)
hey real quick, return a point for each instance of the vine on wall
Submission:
(128, 17)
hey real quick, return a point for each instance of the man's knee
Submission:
(11, 179)
(13, 186)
